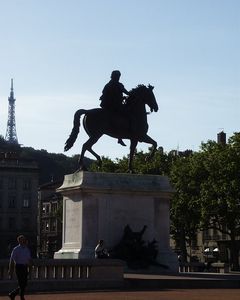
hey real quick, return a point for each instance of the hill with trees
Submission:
(52, 166)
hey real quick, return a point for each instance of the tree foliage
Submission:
(220, 192)
(159, 164)
(208, 193)
(186, 176)
(52, 166)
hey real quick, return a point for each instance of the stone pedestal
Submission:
(100, 205)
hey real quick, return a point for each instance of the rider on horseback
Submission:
(133, 126)
(112, 96)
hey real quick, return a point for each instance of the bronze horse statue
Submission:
(130, 123)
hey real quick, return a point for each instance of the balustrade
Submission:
(60, 274)
(58, 269)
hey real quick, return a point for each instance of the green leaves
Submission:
(220, 192)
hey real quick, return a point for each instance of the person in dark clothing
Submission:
(101, 251)
(21, 260)
(112, 96)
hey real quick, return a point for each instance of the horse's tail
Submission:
(76, 125)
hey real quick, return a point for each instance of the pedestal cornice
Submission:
(116, 182)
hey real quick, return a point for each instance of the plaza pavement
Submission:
(185, 286)
(178, 294)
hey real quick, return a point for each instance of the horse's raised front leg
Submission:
(133, 147)
(148, 140)
(88, 147)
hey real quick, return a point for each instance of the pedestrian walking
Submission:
(20, 260)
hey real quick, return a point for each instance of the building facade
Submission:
(208, 246)
(18, 201)
(49, 220)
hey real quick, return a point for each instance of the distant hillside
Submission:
(51, 165)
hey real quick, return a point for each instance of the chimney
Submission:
(221, 138)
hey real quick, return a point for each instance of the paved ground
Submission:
(154, 287)
(226, 294)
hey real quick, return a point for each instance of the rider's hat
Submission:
(115, 74)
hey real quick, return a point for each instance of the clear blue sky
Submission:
(60, 54)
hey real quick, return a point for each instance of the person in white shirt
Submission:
(21, 260)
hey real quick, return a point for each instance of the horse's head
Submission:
(150, 99)
(144, 95)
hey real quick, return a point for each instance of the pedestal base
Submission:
(99, 206)
(74, 253)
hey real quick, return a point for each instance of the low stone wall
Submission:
(220, 267)
(67, 275)
(203, 267)
(191, 267)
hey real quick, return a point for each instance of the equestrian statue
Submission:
(119, 117)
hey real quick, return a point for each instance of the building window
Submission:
(54, 207)
(12, 183)
(47, 226)
(26, 201)
(27, 184)
(53, 225)
(45, 246)
(11, 201)
(46, 208)
(42, 226)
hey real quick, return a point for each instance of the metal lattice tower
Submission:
(11, 134)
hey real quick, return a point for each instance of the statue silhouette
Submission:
(135, 251)
(130, 124)
(112, 96)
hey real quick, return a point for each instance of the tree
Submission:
(159, 165)
(220, 191)
(185, 213)
(208, 194)
(5, 146)
(107, 166)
